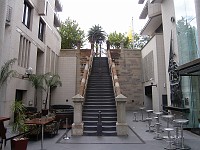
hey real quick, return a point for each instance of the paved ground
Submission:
(138, 139)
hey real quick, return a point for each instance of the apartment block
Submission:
(28, 32)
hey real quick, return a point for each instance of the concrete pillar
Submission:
(122, 127)
(3, 8)
(77, 126)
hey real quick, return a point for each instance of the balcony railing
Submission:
(57, 21)
(58, 6)
(8, 15)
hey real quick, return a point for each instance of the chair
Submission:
(52, 128)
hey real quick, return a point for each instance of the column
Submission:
(122, 127)
(77, 126)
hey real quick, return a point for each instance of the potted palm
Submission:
(51, 81)
(19, 127)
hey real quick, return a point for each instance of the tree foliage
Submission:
(141, 40)
(95, 34)
(71, 34)
(6, 71)
(116, 38)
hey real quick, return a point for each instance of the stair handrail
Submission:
(86, 74)
(113, 71)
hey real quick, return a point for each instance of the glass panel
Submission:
(186, 30)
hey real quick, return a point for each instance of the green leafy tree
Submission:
(116, 38)
(95, 35)
(51, 81)
(6, 71)
(141, 40)
(71, 34)
(38, 83)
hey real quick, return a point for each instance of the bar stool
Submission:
(135, 117)
(158, 114)
(169, 118)
(142, 113)
(149, 113)
(182, 122)
(170, 141)
(149, 125)
(158, 137)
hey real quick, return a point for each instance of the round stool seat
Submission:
(149, 111)
(148, 119)
(168, 129)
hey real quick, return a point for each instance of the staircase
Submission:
(100, 97)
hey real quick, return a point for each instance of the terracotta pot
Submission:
(19, 144)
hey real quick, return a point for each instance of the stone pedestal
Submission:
(77, 126)
(122, 127)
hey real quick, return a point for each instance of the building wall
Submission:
(154, 50)
(168, 27)
(12, 34)
(129, 71)
(67, 72)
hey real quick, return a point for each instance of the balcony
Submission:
(58, 6)
(8, 15)
(42, 7)
(154, 10)
(156, 1)
(57, 22)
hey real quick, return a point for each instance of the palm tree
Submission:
(37, 83)
(95, 35)
(6, 71)
(51, 80)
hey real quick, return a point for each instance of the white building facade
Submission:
(28, 32)
(177, 23)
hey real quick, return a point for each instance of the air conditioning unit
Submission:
(8, 15)
(42, 7)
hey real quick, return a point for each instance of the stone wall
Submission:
(129, 71)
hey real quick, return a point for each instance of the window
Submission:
(26, 14)
(24, 52)
(41, 30)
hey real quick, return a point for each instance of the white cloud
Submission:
(111, 15)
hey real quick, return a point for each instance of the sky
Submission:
(111, 15)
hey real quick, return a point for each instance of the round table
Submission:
(182, 122)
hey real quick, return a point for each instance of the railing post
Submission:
(77, 126)
(122, 127)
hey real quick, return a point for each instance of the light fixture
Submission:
(28, 72)
(152, 82)
(30, 103)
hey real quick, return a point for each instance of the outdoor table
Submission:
(3, 130)
(42, 122)
(181, 122)
(168, 117)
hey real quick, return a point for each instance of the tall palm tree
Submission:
(37, 83)
(6, 71)
(95, 35)
(51, 80)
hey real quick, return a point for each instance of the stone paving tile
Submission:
(140, 128)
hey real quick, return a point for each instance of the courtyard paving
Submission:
(138, 139)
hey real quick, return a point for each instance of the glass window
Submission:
(41, 30)
(26, 14)
(186, 30)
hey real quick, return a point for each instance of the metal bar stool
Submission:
(170, 141)
(149, 113)
(182, 122)
(135, 117)
(142, 113)
(158, 137)
(149, 125)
